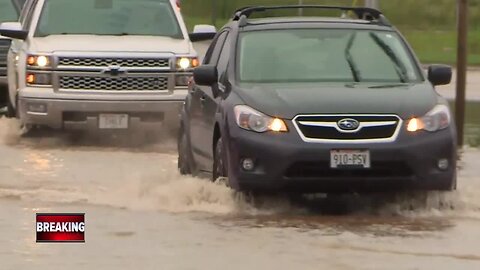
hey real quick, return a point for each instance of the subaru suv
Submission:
(317, 105)
(100, 64)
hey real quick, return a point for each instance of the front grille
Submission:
(4, 47)
(114, 83)
(122, 62)
(372, 127)
(319, 170)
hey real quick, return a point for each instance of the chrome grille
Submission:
(122, 62)
(114, 83)
(4, 47)
(326, 128)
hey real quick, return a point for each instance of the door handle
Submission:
(203, 99)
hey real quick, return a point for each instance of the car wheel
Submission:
(219, 162)
(185, 163)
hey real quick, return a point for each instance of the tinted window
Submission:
(109, 17)
(10, 9)
(324, 55)
(224, 57)
(213, 52)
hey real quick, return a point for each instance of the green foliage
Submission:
(429, 25)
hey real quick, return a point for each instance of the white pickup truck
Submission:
(100, 64)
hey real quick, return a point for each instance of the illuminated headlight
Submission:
(39, 79)
(185, 63)
(250, 119)
(41, 61)
(437, 119)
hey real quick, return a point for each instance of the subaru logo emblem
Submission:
(348, 124)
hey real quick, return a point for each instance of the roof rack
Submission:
(363, 13)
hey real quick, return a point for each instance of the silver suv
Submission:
(108, 64)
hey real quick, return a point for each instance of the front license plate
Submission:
(113, 121)
(350, 159)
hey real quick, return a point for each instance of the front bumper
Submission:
(284, 162)
(81, 112)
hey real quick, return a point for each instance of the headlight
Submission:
(40, 61)
(437, 119)
(250, 119)
(185, 63)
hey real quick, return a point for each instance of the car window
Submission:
(224, 56)
(325, 55)
(213, 52)
(9, 10)
(109, 17)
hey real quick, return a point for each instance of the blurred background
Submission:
(429, 25)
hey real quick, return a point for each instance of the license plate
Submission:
(113, 121)
(350, 159)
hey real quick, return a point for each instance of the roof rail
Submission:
(363, 13)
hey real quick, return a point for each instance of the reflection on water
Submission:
(380, 226)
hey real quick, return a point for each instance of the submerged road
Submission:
(141, 214)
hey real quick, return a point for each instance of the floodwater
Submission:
(141, 214)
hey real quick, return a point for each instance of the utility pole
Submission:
(372, 4)
(214, 12)
(462, 54)
(300, 10)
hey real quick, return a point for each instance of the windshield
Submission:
(109, 17)
(325, 55)
(9, 10)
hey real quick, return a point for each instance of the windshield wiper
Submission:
(399, 66)
(348, 56)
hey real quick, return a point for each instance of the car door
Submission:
(198, 97)
(209, 105)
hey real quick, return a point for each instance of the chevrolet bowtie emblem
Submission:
(114, 70)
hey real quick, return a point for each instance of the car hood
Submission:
(96, 43)
(288, 101)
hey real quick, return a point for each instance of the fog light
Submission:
(183, 80)
(443, 164)
(37, 107)
(248, 164)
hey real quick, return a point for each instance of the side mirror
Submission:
(205, 75)
(440, 74)
(13, 30)
(203, 32)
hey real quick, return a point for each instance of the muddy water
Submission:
(142, 215)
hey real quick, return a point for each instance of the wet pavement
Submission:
(141, 214)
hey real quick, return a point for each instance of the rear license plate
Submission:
(113, 121)
(350, 159)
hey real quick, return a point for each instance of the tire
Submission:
(219, 162)
(185, 164)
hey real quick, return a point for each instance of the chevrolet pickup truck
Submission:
(100, 64)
